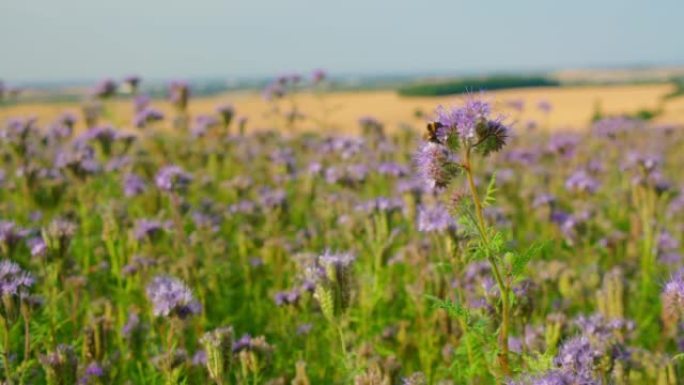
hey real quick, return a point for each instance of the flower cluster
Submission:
(172, 179)
(171, 297)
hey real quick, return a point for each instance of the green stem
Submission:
(343, 345)
(503, 288)
(6, 351)
(27, 335)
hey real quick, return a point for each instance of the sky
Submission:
(52, 40)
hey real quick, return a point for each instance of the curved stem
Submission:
(503, 288)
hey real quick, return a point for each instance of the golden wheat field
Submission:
(573, 107)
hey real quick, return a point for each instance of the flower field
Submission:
(151, 245)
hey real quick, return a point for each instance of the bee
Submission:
(431, 132)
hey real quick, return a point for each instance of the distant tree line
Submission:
(490, 83)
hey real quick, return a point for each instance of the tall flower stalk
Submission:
(504, 287)
(452, 141)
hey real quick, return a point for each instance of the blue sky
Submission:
(90, 39)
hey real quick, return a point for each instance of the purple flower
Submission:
(58, 132)
(318, 75)
(61, 364)
(432, 161)
(137, 263)
(304, 329)
(554, 377)
(68, 119)
(273, 91)
(272, 198)
(133, 185)
(79, 159)
(92, 370)
(578, 356)
(202, 124)
(601, 330)
(256, 344)
(393, 169)
(59, 233)
(647, 163)
(381, 205)
(614, 126)
(463, 120)
(13, 280)
(667, 242)
(105, 88)
(543, 200)
(242, 207)
(435, 219)
(580, 181)
(149, 228)
(10, 235)
(524, 157)
(356, 173)
(544, 106)
(172, 178)
(673, 297)
(286, 297)
(132, 325)
(199, 358)
(341, 260)
(516, 104)
(563, 144)
(147, 115)
(179, 94)
(140, 102)
(314, 168)
(243, 343)
(171, 297)
(413, 186)
(37, 247)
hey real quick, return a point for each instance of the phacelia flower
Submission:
(10, 235)
(172, 179)
(149, 228)
(61, 365)
(13, 280)
(318, 75)
(435, 219)
(433, 161)
(581, 181)
(463, 120)
(171, 297)
(544, 106)
(673, 297)
(133, 185)
(179, 94)
(381, 205)
(146, 116)
(105, 88)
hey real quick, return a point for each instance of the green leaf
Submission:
(489, 198)
(452, 308)
(453, 142)
(520, 260)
